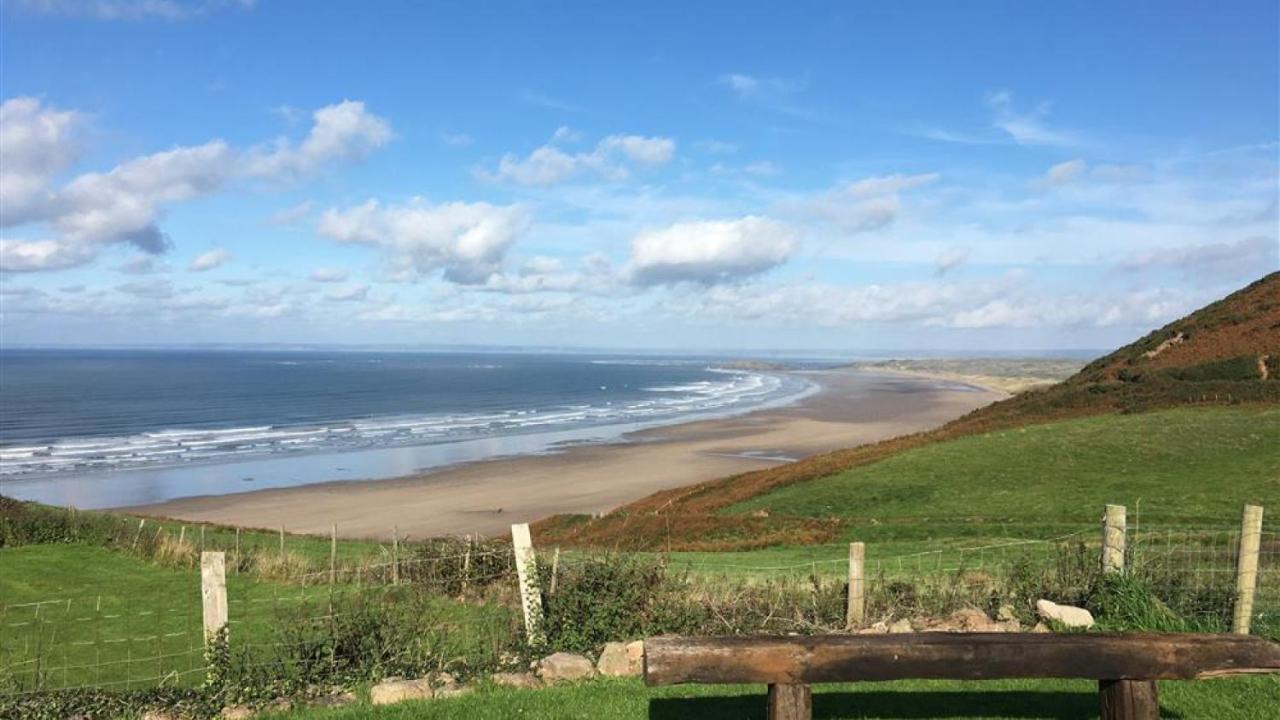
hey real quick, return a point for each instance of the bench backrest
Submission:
(958, 656)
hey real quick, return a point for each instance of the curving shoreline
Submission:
(851, 407)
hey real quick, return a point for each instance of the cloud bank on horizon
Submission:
(785, 186)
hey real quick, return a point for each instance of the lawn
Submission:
(1172, 469)
(1224, 699)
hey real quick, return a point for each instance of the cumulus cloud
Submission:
(125, 204)
(329, 275)
(613, 158)
(710, 252)
(466, 240)
(860, 205)
(209, 260)
(346, 131)
(36, 144)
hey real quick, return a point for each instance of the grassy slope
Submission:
(1217, 361)
(1178, 466)
(1230, 699)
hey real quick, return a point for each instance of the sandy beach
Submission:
(852, 407)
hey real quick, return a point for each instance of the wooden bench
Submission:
(1126, 666)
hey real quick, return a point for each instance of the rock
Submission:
(1014, 625)
(877, 628)
(970, 620)
(338, 699)
(394, 691)
(1041, 628)
(449, 691)
(901, 626)
(516, 680)
(616, 661)
(231, 712)
(1006, 613)
(564, 666)
(635, 655)
(1068, 615)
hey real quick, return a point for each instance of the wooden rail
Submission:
(1126, 665)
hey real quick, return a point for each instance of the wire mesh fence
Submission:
(454, 605)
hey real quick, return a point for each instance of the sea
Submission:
(111, 428)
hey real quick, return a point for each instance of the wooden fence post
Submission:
(1247, 568)
(395, 554)
(141, 523)
(857, 601)
(282, 541)
(213, 593)
(555, 571)
(333, 554)
(237, 563)
(1113, 539)
(527, 573)
(466, 567)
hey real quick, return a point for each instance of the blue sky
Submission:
(965, 176)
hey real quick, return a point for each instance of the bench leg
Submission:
(1129, 699)
(790, 702)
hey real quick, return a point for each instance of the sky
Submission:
(978, 176)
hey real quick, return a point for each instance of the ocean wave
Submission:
(730, 391)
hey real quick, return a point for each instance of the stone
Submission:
(516, 680)
(564, 666)
(635, 655)
(970, 620)
(1006, 613)
(232, 712)
(394, 691)
(1068, 615)
(455, 690)
(1014, 625)
(901, 626)
(615, 661)
(338, 699)
(1041, 628)
(879, 627)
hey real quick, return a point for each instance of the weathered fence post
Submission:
(395, 554)
(1247, 568)
(237, 563)
(555, 571)
(282, 541)
(466, 567)
(527, 574)
(213, 593)
(790, 702)
(1113, 540)
(333, 554)
(141, 524)
(856, 610)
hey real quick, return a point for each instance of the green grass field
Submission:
(1229, 699)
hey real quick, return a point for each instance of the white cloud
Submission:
(123, 205)
(612, 158)
(860, 205)
(291, 215)
(467, 240)
(710, 252)
(1213, 263)
(209, 260)
(131, 9)
(35, 145)
(1062, 173)
(350, 293)
(346, 131)
(455, 139)
(329, 275)
(36, 255)
(1026, 127)
(950, 260)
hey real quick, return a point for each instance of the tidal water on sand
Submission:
(105, 428)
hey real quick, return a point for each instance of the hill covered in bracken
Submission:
(1225, 353)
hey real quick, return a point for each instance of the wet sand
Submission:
(852, 407)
